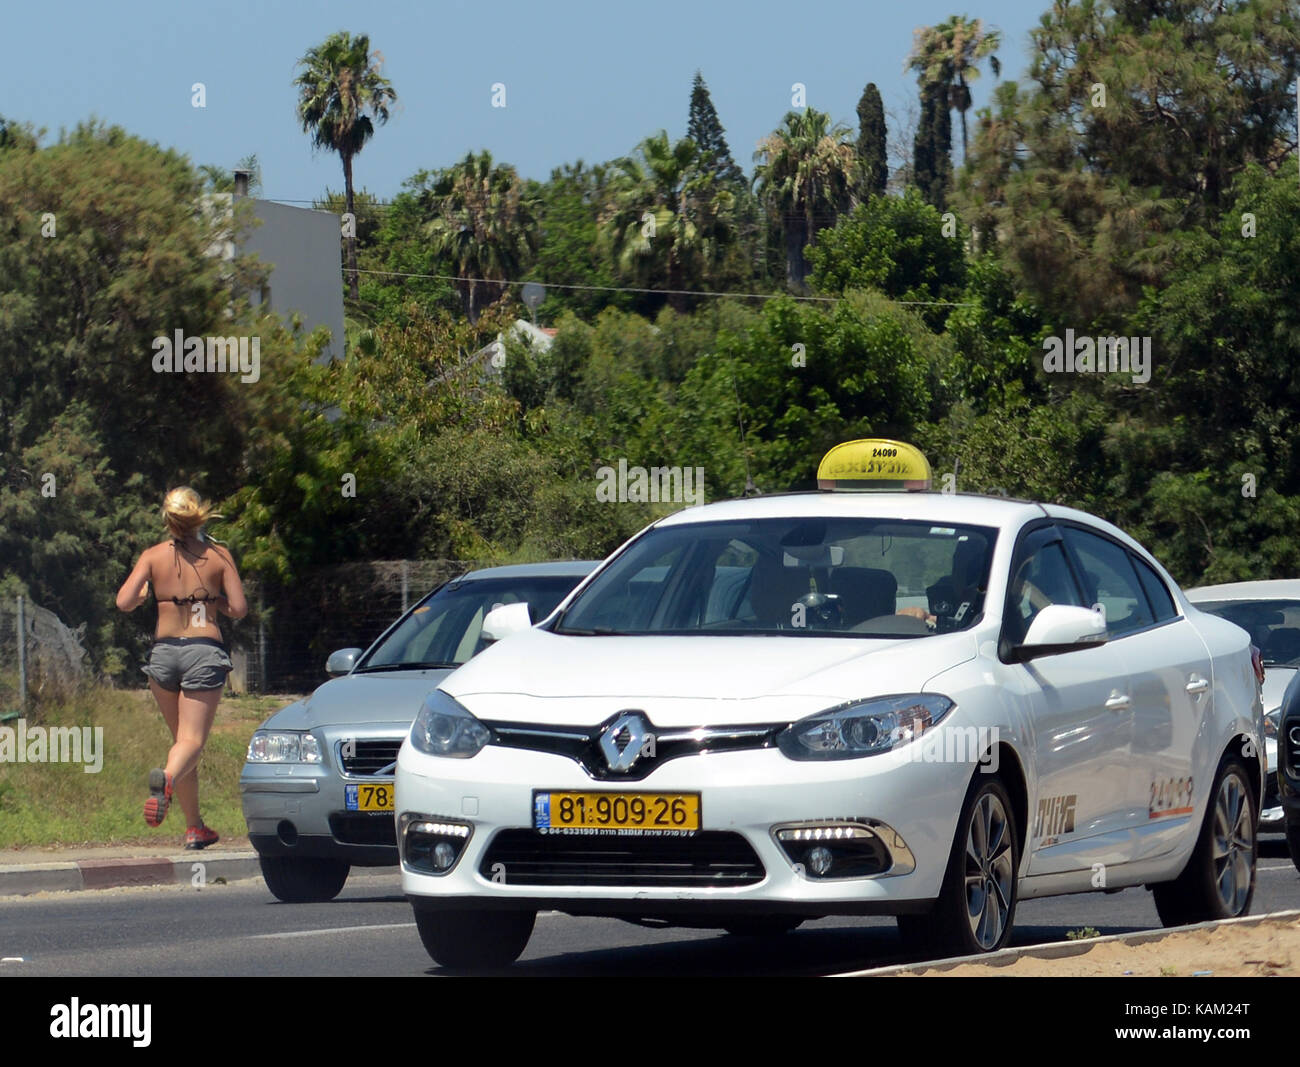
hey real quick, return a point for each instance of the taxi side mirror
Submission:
(1060, 628)
(505, 620)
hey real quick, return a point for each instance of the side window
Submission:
(1041, 578)
(1109, 580)
(1158, 596)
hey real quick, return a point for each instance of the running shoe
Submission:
(201, 837)
(160, 797)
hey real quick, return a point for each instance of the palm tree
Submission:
(805, 170)
(340, 96)
(949, 55)
(692, 211)
(483, 221)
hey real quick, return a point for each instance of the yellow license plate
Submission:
(614, 813)
(368, 797)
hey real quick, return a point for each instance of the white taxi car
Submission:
(918, 704)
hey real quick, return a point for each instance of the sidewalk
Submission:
(41, 870)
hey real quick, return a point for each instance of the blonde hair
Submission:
(185, 512)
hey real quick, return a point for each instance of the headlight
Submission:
(283, 746)
(864, 727)
(444, 728)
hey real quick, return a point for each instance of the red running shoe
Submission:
(201, 837)
(160, 797)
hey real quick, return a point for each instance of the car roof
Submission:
(1272, 589)
(572, 568)
(966, 508)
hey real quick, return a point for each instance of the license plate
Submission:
(368, 797)
(651, 814)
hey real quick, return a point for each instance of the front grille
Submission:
(369, 759)
(355, 828)
(709, 858)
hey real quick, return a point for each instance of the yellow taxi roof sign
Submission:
(874, 463)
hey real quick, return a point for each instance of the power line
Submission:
(635, 289)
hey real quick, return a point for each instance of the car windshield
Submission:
(1273, 625)
(794, 576)
(443, 630)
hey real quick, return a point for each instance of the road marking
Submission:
(1279, 867)
(332, 930)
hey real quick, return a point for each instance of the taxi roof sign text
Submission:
(874, 463)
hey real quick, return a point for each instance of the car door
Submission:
(1170, 681)
(1081, 722)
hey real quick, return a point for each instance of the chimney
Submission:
(241, 182)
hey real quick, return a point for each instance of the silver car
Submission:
(317, 783)
(1270, 612)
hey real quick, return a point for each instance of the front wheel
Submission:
(977, 902)
(303, 880)
(474, 940)
(1219, 879)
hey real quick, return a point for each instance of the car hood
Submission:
(386, 696)
(540, 676)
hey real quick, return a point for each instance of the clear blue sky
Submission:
(585, 79)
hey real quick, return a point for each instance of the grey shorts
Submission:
(190, 663)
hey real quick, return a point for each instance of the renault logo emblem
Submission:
(624, 739)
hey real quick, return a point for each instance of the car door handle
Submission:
(1197, 685)
(1118, 702)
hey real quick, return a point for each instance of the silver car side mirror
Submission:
(342, 661)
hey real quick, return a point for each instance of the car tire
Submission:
(763, 925)
(1219, 879)
(474, 940)
(976, 907)
(1293, 841)
(303, 880)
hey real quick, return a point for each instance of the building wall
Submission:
(304, 251)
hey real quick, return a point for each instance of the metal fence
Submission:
(280, 647)
(41, 658)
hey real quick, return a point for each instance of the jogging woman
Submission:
(193, 579)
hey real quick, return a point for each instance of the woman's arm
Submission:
(135, 590)
(236, 605)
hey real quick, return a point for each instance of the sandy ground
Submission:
(1260, 949)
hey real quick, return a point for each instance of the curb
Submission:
(1055, 950)
(119, 872)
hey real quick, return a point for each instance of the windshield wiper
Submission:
(430, 666)
(599, 631)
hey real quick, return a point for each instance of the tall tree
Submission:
(482, 219)
(705, 129)
(668, 220)
(873, 156)
(949, 55)
(932, 154)
(805, 173)
(341, 95)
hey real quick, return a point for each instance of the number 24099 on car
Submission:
(644, 813)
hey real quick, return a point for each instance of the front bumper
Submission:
(296, 809)
(734, 865)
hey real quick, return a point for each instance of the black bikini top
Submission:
(193, 598)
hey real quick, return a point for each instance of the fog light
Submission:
(819, 860)
(431, 845)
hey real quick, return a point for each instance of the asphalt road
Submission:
(241, 930)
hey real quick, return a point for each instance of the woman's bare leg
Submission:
(196, 710)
